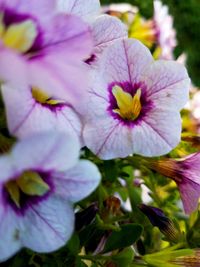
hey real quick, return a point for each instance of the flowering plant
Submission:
(100, 165)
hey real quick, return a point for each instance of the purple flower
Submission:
(188, 181)
(134, 103)
(40, 179)
(186, 173)
(44, 48)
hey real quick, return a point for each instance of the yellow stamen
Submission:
(43, 98)
(14, 193)
(39, 95)
(136, 104)
(19, 36)
(129, 107)
(30, 183)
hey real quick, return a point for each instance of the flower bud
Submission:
(86, 216)
(158, 218)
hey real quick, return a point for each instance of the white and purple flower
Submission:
(134, 103)
(40, 179)
(105, 29)
(29, 110)
(44, 47)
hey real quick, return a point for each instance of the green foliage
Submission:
(187, 23)
(124, 258)
(127, 236)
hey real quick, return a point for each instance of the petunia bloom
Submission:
(40, 179)
(105, 29)
(186, 173)
(45, 47)
(134, 103)
(166, 35)
(29, 110)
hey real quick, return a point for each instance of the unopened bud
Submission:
(159, 219)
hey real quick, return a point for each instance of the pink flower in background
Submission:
(186, 173)
(28, 110)
(105, 29)
(188, 181)
(134, 103)
(40, 179)
(157, 33)
(44, 47)
(166, 35)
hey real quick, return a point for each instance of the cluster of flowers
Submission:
(157, 33)
(70, 78)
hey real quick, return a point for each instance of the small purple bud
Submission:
(158, 219)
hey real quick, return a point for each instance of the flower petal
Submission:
(108, 138)
(54, 80)
(10, 241)
(169, 88)
(105, 30)
(39, 9)
(191, 166)
(48, 225)
(12, 67)
(87, 10)
(25, 116)
(190, 194)
(7, 169)
(124, 61)
(158, 133)
(47, 151)
(78, 182)
(69, 35)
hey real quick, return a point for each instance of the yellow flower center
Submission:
(18, 36)
(129, 107)
(29, 183)
(43, 98)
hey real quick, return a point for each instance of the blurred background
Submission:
(186, 14)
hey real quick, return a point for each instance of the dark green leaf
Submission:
(127, 236)
(80, 263)
(73, 244)
(110, 169)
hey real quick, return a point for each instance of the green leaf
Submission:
(128, 235)
(124, 258)
(88, 234)
(110, 169)
(80, 263)
(74, 244)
